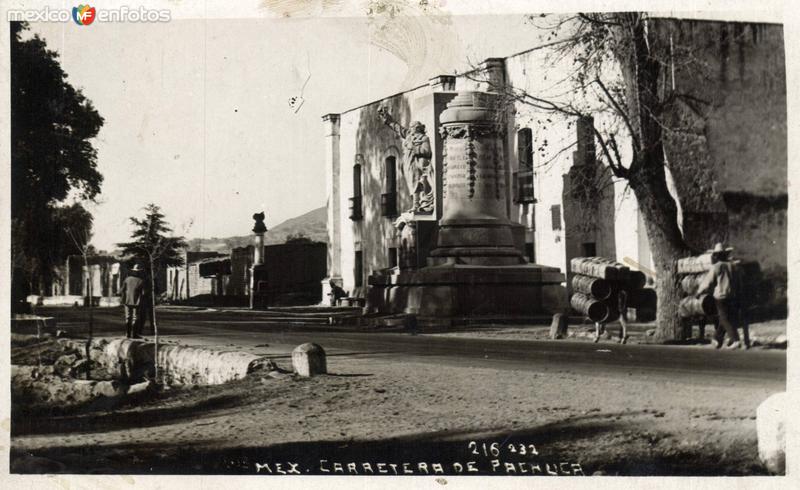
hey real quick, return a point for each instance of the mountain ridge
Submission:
(312, 224)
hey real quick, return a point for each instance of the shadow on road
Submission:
(547, 450)
(86, 421)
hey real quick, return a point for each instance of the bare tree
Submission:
(81, 237)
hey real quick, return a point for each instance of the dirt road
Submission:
(425, 404)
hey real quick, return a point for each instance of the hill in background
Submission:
(312, 225)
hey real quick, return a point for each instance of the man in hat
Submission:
(719, 281)
(131, 293)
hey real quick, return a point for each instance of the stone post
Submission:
(475, 228)
(309, 360)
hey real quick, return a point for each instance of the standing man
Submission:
(131, 293)
(720, 281)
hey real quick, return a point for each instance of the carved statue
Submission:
(417, 166)
(259, 227)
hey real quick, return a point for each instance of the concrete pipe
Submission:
(594, 310)
(692, 306)
(591, 286)
(599, 267)
(690, 282)
(693, 265)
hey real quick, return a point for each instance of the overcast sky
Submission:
(196, 112)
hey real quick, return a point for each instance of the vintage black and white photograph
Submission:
(396, 238)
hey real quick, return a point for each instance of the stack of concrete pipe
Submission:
(596, 283)
(692, 270)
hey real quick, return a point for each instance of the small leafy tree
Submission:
(153, 245)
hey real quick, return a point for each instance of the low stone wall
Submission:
(133, 360)
(73, 300)
(68, 300)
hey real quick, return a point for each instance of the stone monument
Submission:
(476, 267)
(474, 228)
(257, 271)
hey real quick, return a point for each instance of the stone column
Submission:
(332, 170)
(258, 240)
(332, 123)
(474, 228)
(258, 249)
(258, 254)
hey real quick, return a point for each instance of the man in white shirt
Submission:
(719, 282)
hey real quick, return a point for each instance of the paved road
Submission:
(686, 364)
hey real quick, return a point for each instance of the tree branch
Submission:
(615, 165)
(588, 18)
(620, 112)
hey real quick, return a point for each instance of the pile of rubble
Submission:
(54, 374)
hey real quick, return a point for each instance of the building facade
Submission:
(562, 196)
(74, 282)
(185, 281)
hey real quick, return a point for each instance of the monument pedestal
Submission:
(476, 242)
(457, 291)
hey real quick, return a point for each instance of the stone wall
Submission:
(198, 285)
(241, 261)
(729, 158)
(184, 281)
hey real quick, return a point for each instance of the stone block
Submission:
(771, 428)
(558, 327)
(309, 360)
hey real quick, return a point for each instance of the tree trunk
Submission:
(666, 243)
(91, 318)
(153, 313)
